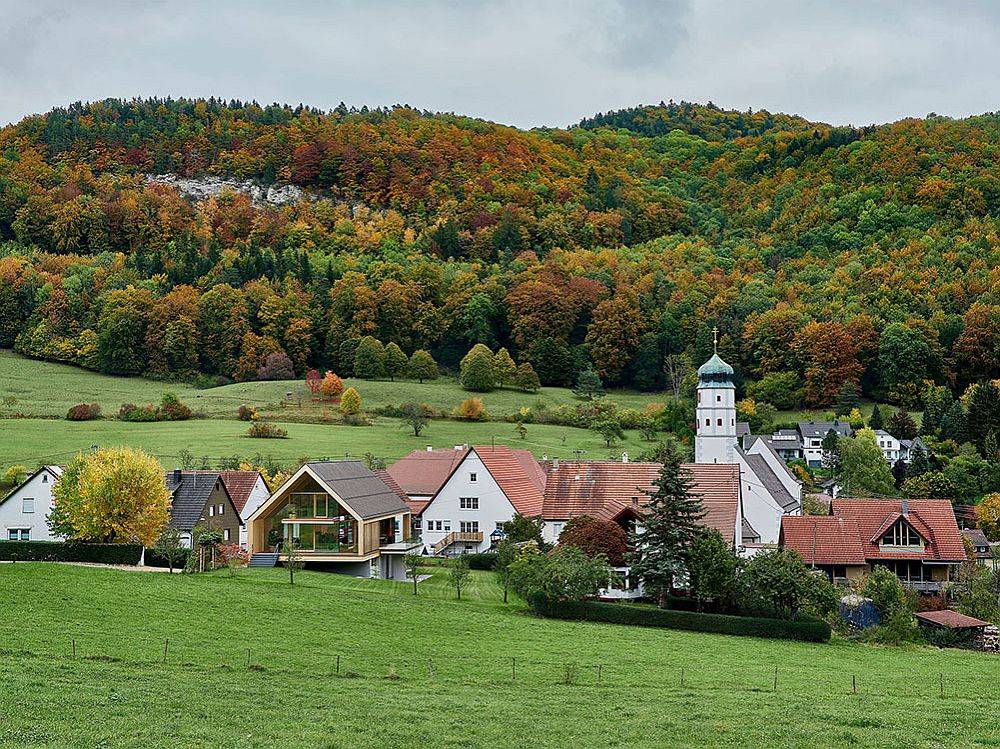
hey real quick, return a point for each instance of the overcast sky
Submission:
(521, 62)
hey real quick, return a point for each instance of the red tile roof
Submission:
(933, 519)
(423, 472)
(823, 539)
(239, 484)
(606, 489)
(950, 619)
(518, 475)
(391, 483)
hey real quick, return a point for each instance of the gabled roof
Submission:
(933, 519)
(980, 544)
(518, 475)
(821, 428)
(769, 479)
(606, 489)
(422, 473)
(190, 495)
(365, 493)
(239, 484)
(54, 471)
(823, 539)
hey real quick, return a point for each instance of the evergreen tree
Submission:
(953, 425)
(984, 412)
(900, 472)
(876, 421)
(902, 426)
(477, 371)
(848, 399)
(422, 366)
(588, 385)
(504, 367)
(369, 359)
(395, 361)
(669, 530)
(937, 401)
(831, 451)
(919, 464)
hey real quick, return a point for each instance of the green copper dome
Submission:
(715, 373)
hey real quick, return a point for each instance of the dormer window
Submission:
(902, 534)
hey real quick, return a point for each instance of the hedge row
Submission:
(56, 551)
(484, 561)
(807, 629)
(156, 559)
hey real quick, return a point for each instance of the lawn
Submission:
(449, 668)
(30, 442)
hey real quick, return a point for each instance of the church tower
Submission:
(715, 440)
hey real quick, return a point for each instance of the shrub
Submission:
(484, 561)
(526, 379)
(170, 409)
(565, 573)
(806, 629)
(266, 430)
(156, 558)
(596, 537)
(471, 409)
(332, 387)
(246, 413)
(71, 551)
(84, 412)
(350, 402)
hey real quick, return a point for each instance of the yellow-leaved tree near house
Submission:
(112, 495)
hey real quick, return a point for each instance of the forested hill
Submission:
(824, 254)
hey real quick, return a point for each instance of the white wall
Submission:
(494, 507)
(258, 496)
(12, 516)
(715, 442)
(762, 512)
(777, 465)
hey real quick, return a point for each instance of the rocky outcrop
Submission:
(202, 188)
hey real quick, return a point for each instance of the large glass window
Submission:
(337, 538)
(901, 534)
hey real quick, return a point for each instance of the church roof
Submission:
(715, 373)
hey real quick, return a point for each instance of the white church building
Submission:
(769, 490)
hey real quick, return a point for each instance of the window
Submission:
(468, 503)
(718, 422)
(557, 529)
(222, 509)
(471, 526)
(19, 534)
(27, 505)
(901, 534)
(708, 422)
(12, 534)
(415, 523)
(225, 535)
(211, 511)
(45, 478)
(473, 477)
(718, 399)
(447, 525)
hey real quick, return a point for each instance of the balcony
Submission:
(456, 537)
(924, 586)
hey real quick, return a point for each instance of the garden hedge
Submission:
(56, 551)
(807, 629)
(485, 561)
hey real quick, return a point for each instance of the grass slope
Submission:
(453, 660)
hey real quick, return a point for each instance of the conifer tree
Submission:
(672, 523)
(394, 360)
(504, 367)
(902, 426)
(876, 421)
(588, 385)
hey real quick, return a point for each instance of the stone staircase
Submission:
(261, 559)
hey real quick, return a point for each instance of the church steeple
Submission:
(715, 440)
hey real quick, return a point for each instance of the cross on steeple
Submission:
(715, 338)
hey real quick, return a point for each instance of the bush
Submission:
(807, 630)
(350, 402)
(478, 369)
(170, 409)
(471, 409)
(71, 551)
(485, 561)
(84, 412)
(266, 430)
(246, 413)
(155, 558)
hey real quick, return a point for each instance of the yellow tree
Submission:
(113, 495)
(988, 512)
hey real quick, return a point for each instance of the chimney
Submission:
(635, 501)
(624, 457)
(458, 447)
(545, 456)
(555, 464)
(177, 475)
(904, 507)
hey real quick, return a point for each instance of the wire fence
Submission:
(182, 651)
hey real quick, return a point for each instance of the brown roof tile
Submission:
(239, 484)
(934, 519)
(950, 619)
(823, 539)
(518, 474)
(423, 472)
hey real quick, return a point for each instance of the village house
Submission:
(982, 549)
(248, 490)
(342, 517)
(199, 501)
(24, 512)
(917, 539)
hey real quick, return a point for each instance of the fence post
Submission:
(166, 644)
(74, 647)
(942, 684)
(338, 665)
(854, 683)
(600, 667)
(248, 657)
(775, 678)
(513, 669)
(682, 676)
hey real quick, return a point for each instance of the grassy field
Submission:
(30, 442)
(452, 665)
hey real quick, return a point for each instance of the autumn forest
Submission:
(824, 255)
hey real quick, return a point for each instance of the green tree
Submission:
(350, 402)
(588, 385)
(953, 425)
(777, 583)
(902, 426)
(458, 573)
(526, 378)
(521, 528)
(876, 421)
(848, 399)
(984, 412)
(565, 574)
(414, 564)
(505, 370)
(712, 567)
(831, 452)
(477, 370)
(903, 357)
(171, 547)
(292, 551)
(395, 361)
(864, 470)
(610, 429)
(422, 366)
(506, 556)
(662, 547)
(369, 359)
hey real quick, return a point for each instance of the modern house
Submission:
(811, 433)
(248, 490)
(917, 539)
(201, 502)
(24, 512)
(342, 517)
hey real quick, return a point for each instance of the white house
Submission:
(769, 489)
(485, 486)
(891, 447)
(25, 511)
